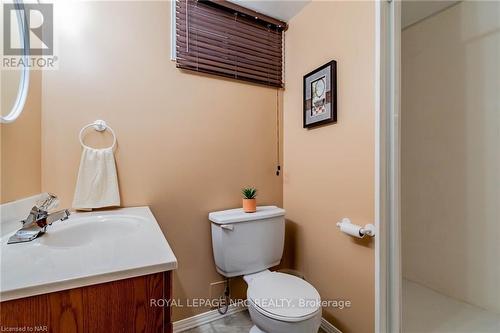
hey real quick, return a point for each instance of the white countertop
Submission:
(88, 248)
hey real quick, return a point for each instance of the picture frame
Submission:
(320, 96)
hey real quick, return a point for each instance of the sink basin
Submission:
(86, 249)
(83, 230)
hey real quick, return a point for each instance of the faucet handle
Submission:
(50, 201)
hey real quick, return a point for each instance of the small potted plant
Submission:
(249, 202)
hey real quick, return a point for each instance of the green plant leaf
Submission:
(249, 192)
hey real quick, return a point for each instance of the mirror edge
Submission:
(22, 92)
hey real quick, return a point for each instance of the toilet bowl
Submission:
(282, 303)
(248, 244)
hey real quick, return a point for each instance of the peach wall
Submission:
(21, 148)
(186, 143)
(329, 171)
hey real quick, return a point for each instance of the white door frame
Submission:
(387, 167)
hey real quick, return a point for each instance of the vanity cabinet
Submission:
(117, 306)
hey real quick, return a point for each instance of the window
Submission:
(222, 38)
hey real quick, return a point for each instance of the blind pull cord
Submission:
(187, 26)
(278, 157)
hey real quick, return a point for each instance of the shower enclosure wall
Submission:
(450, 170)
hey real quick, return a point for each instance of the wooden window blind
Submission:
(222, 38)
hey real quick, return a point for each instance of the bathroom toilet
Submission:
(249, 244)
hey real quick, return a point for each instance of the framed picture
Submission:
(320, 95)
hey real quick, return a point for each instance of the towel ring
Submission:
(99, 126)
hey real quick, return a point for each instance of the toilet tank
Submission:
(245, 243)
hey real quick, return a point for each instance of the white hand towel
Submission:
(97, 184)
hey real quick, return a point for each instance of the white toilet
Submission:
(248, 244)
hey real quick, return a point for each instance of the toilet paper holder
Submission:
(346, 226)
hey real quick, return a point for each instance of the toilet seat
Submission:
(284, 297)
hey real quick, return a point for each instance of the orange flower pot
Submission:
(249, 205)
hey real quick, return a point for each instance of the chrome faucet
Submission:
(38, 219)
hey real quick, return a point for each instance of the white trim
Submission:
(379, 259)
(387, 182)
(329, 328)
(173, 29)
(204, 318)
(393, 168)
(380, 240)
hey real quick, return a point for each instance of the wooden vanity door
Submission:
(118, 306)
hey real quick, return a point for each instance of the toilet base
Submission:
(255, 329)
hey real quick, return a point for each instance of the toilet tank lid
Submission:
(238, 215)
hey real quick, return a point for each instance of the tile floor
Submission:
(425, 310)
(237, 323)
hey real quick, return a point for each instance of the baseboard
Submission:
(204, 318)
(207, 317)
(329, 328)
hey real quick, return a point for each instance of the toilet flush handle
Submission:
(227, 227)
